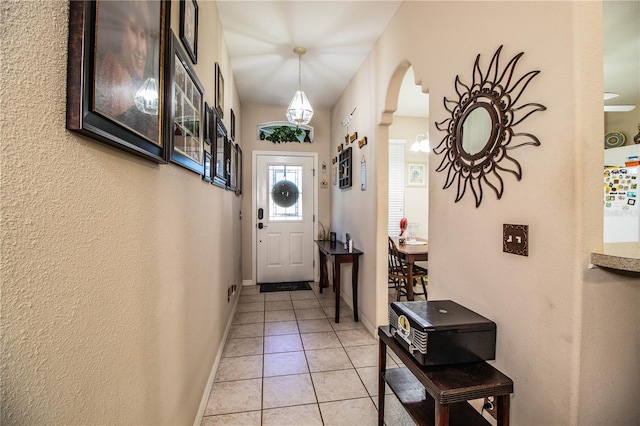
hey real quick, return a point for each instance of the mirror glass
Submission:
(476, 131)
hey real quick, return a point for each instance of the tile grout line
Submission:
(299, 333)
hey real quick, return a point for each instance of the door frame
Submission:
(254, 205)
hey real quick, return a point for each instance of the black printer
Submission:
(439, 332)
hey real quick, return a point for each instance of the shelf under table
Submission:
(421, 406)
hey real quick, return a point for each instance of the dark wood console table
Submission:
(438, 395)
(340, 255)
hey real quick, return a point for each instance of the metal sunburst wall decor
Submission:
(480, 133)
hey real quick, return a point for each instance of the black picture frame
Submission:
(209, 133)
(185, 115)
(208, 161)
(101, 92)
(233, 125)
(219, 91)
(239, 174)
(232, 161)
(189, 28)
(219, 165)
(345, 168)
(209, 123)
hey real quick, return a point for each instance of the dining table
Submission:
(412, 251)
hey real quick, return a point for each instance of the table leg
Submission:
(336, 285)
(410, 262)
(354, 285)
(382, 368)
(502, 406)
(324, 279)
(442, 414)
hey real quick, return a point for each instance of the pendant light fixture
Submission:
(421, 144)
(299, 111)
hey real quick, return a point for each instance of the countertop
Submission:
(619, 256)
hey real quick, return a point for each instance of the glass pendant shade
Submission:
(421, 144)
(299, 111)
(146, 97)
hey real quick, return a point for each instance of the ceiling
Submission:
(621, 26)
(338, 36)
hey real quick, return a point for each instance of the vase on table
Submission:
(412, 231)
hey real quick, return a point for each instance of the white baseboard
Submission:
(248, 282)
(365, 322)
(214, 368)
(370, 327)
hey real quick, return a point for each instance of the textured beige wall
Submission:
(114, 269)
(553, 333)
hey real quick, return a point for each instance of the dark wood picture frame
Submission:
(185, 115)
(208, 161)
(219, 91)
(209, 134)
(232, 161)
(239, 171)
(233, 125)
(96, 106)
(189, 28)
(219, 166)
(345, 168)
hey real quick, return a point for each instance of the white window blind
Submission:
(396, 185)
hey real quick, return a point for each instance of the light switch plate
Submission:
(515, 239)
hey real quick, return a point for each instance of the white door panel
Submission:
(284, 235)
(274, 256)
(296, 248)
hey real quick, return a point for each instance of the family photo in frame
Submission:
(124, 69)
(189, 28)
(116, 73)
(131, 84)
(187, 114)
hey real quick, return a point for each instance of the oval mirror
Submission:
(476, 130)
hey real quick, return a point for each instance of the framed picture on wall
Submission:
(186, 117)
(207, 163)
(230, 154)
(233, 125)
(219, 91)
(219, 167)
(238, 170)
(111, 98)
(209, 126)
(416, 174)
(189, 27)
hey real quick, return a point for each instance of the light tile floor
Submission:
(286, 362)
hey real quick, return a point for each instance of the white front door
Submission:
(284, 218)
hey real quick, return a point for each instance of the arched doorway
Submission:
(406, 146)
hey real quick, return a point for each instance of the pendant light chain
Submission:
(300, 72)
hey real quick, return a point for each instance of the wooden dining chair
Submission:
(399, 273)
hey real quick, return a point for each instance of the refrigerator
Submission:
(621, 209)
